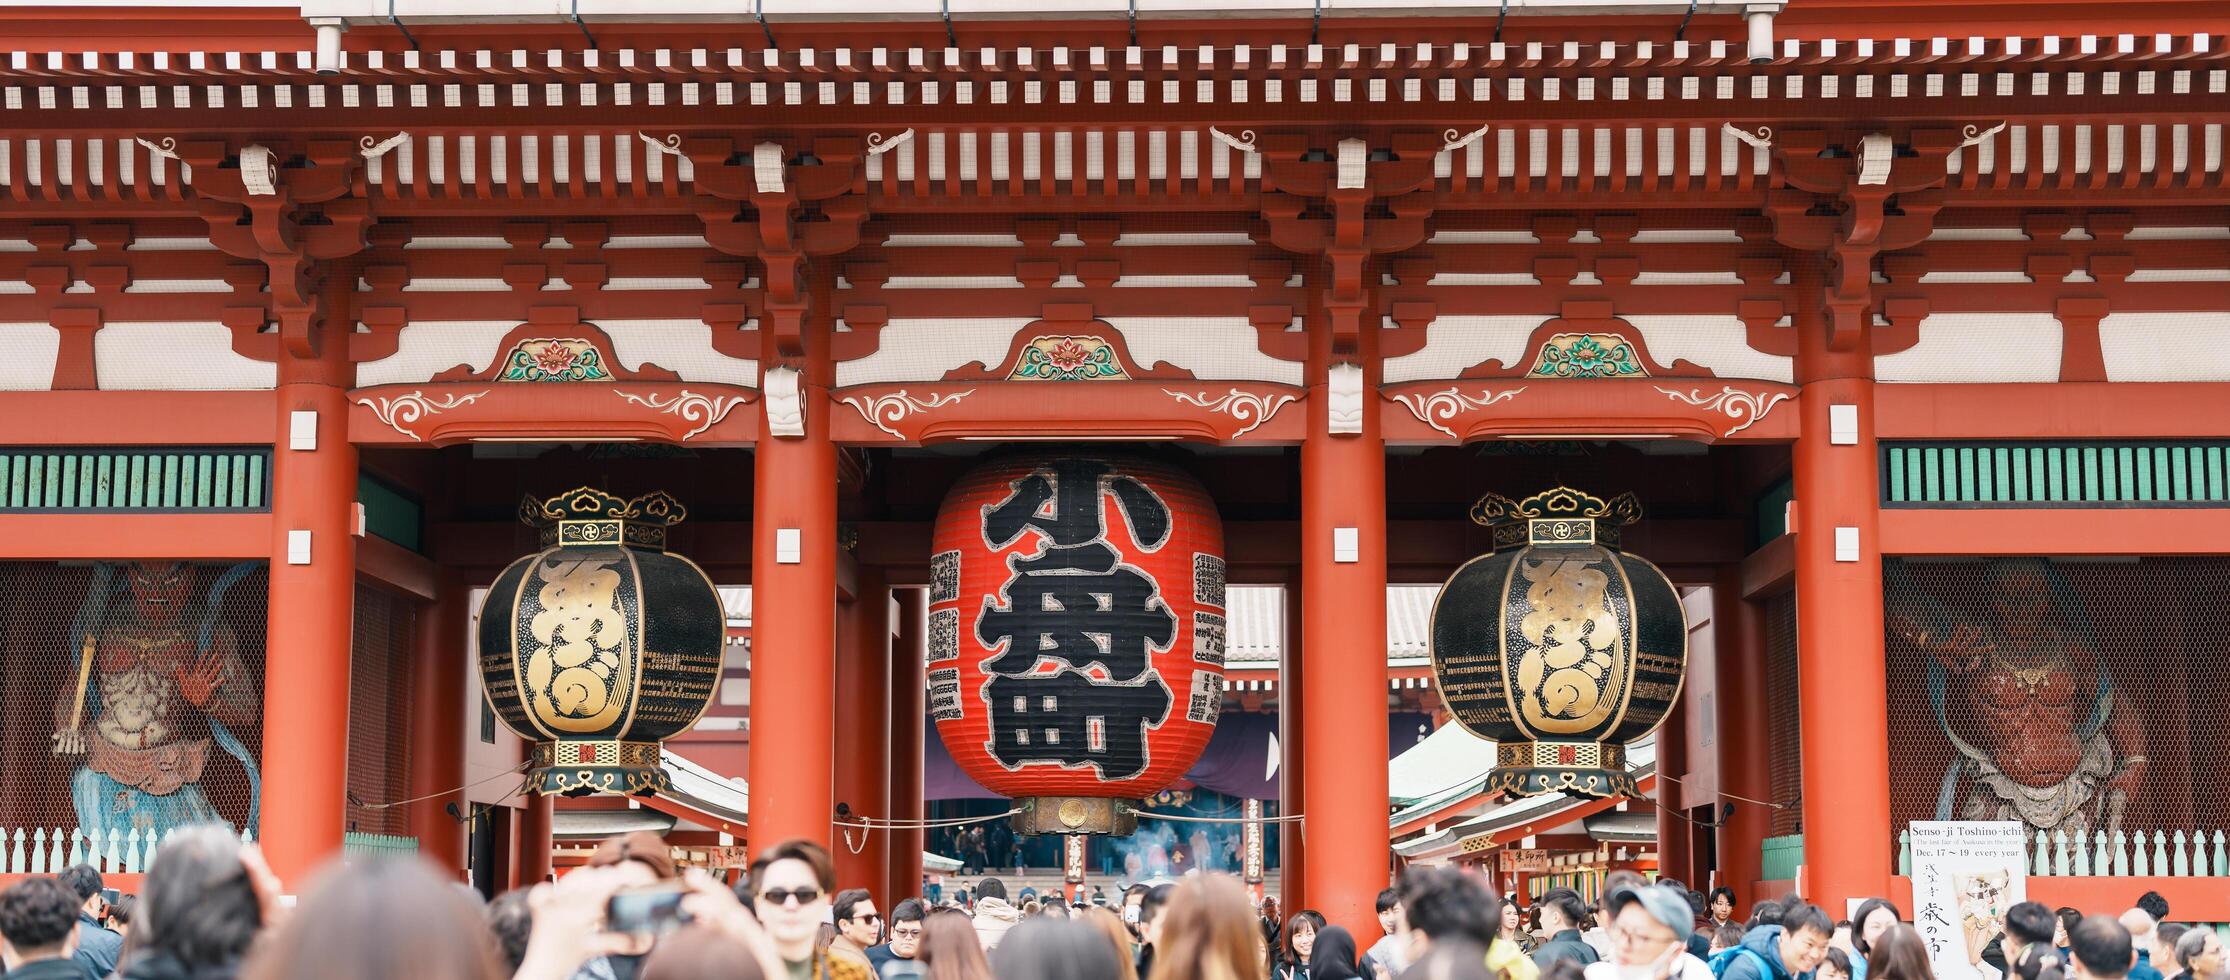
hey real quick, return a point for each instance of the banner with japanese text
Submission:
(1965, 875)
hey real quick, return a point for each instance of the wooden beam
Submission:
(151, 418)
(135, 536)
(2100, 531)
(392, 565)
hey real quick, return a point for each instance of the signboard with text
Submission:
(1965, 875)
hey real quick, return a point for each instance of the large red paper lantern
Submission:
(1076, 633)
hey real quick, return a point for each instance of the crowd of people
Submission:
(211, 910)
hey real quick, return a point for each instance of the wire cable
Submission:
(353, 800)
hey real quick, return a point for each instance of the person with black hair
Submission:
(1296, 945)
(1722, 907)
(1598, 936)
(1875, 917)
(1837, 965)
(1391, 951)
(512, 921)
(2069, 919)
(119, 919)
(1562, 915)
(97, 947)
(2165, 937)
(1786, 951)
(1149, 924)
(2024, 949)
(993, 915)
(905, 935)
(1766, 913)
(39, 920)
(1333, 957)
(2154, 905)
(858, 925)
(2103, 950)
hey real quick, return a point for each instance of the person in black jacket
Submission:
(1562, 914)
(38, 918)
(97, 947)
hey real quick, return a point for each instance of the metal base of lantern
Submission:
(585, 768)
(1075, 815)
(1590, 769)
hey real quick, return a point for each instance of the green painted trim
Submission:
(2129, 473)
(214, 479)
(391, 513)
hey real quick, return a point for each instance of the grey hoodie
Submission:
(993, 918)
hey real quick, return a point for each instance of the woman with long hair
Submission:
(1334, 956)
(1511, 926)
(1041, 946)
(1208, 933)
(203, 901)
(1875, 917)
(381, 920)
(1899, 954)
(950, 949)
(1295, 944)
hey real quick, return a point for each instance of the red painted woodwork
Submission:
(1845, 736)
(863, 725)
(441, 414)
(2115, 531)
(2053, 411)
(1200, 411)
(1177, 565)
(131, 536)
(178, 418)
(1700, 409)
(306, 687)
(1745, 764)
(907, 731)
(1292, 775)
(535, 841)
(438, 670)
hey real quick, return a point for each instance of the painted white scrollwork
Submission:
(373, 148)
(259, 170)
(1244, 142)
(1746, 407)
(1240, 405)
(399, 412)
(1452, 140)
(878, 144)
(1433, 408)
(884, 411)
(705, 410)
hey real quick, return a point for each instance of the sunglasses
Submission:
(869, 917)
(777, 896)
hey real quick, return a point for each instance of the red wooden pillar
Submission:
(312, 605)
(907, 725)
(863, 733)
(1745, 763)
(535, 840)
(1675, 846)
(793, 570)
(1292, 837)
(437, 725)
(1343, 623)
(1841, 672)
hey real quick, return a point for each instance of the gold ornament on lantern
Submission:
(601, 645)
(1558, 646)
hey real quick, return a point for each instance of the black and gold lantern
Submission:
(1557, 646)
(601, 645)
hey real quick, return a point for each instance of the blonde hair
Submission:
(1110, 924)
(1210, 934)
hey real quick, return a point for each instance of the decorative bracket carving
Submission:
(298, 211)
(783, 390)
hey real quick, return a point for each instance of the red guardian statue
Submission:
(157, 679)
(2021, 693)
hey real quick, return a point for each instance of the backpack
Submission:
(1726, 958)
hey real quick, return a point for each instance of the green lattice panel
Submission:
(137, 479)
(2056, 474)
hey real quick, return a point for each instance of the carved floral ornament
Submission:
(405, 412)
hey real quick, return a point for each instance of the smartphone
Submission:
(904, 970)
(650, 912)
(110, 895)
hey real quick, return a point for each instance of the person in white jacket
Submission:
(993, 915)
(1649, 931)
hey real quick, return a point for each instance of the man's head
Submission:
(1133, 897)
(1149, 913)
(2029, 924)
(2199, 953)
(1389, 911)
(2165, 936)
(2103, 948)
(1613, 883)
(906, 922)
(788, 889)
(1561, 909)
(1805, 931)
(85, 880)
(1445, 906)
(1647, 923)
(991, 888)
(2154, 906)
(856, 917)
(2139, 924)
(38, 918)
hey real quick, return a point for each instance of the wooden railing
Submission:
(2142, 854)
(42, 850)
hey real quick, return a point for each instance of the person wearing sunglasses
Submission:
(905, 935)
(789, 888)
(858, 925)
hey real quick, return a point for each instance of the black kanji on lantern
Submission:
(1074, 720)
(1078, 604)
